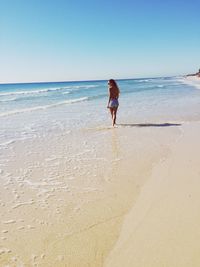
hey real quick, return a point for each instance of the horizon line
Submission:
(93, 80)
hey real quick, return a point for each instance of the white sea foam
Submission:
(14, 112)
(8, 99)
(193, 81)
(9, 142)
(40, 91)
(85, 86)
(65, 93)
(33, 91)
(145, 80)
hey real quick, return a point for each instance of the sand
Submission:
(163, 226)
(126, 197)
(63, 202)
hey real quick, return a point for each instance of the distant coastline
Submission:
(197, 74)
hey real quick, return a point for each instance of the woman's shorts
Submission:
(113, 103)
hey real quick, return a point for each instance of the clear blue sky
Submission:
(52, 40)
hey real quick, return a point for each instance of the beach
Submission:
(162, 227)
(77, 192)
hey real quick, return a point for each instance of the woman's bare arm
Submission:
(109, 97)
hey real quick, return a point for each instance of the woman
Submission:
(113, 103)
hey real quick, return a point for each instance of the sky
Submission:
(65, 40)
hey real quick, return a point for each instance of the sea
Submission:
(29, 110)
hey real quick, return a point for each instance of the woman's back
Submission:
(114, 92)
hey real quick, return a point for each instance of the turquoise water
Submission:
(27, 110)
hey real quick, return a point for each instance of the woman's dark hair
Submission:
(113, 82)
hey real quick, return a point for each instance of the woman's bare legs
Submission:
(114, 115)
(113, 112)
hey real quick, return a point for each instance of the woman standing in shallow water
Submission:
(113, 103)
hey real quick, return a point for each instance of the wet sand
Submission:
(64, 197)
(163, 225)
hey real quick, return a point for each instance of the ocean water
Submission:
(39, 109)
